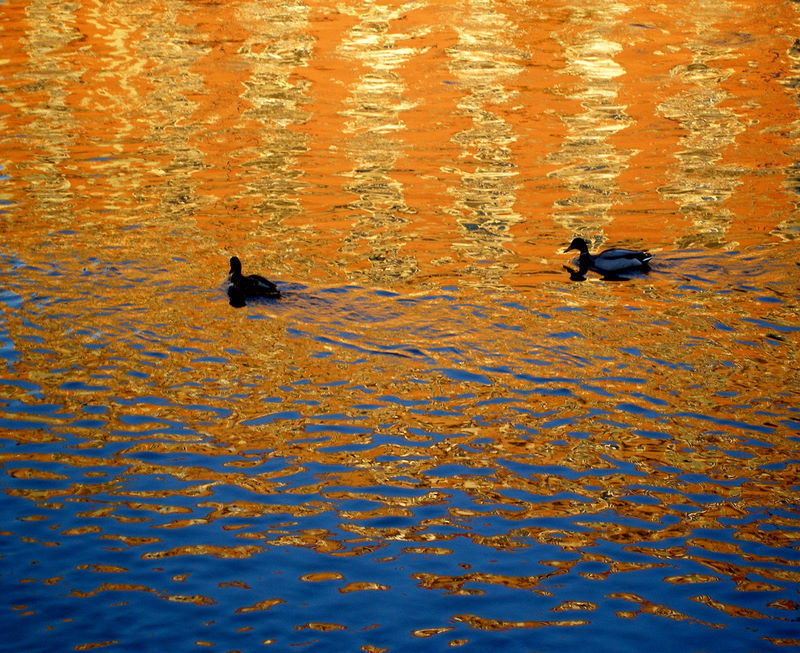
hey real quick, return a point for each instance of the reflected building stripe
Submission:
(171, 43)
(482, 62)
(113, 80)
(790, 227)
(701, 183)
(590, 164)
(373, 127)
(51, 132)
(276, 47)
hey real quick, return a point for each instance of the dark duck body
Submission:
(610, 262)
(251, 286)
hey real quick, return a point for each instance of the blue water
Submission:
(351, 468)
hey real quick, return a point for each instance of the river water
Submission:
(437, 439)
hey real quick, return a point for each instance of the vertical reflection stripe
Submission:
(590, 163)
(701, 182)
(484, 63)
(373, 131)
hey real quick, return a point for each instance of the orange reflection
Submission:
(432, 391)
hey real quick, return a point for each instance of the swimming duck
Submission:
(611, 261)
(252, 285)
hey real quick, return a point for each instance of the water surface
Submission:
(437, 439)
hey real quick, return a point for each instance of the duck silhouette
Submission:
(611, 262)
(247, 287)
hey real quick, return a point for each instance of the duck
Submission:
(610, 262)
(250, 286)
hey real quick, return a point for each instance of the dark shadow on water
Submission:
(580, 273)
(236, 299)
(577, 275)
(239, 299)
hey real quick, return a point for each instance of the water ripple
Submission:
(434, 413)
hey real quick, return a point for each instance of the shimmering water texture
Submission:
(394, 467)
(437, 438)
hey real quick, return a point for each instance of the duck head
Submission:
(579, 244)
(236, 266)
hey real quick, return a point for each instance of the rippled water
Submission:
(437, 439)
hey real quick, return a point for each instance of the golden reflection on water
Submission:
(701, 183)
(277, 46)
(465, 428)
(373, 126)
(589, 162)
(482, 62)
(45, 182)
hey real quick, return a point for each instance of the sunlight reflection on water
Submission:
(455, 452)
(437, 438)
